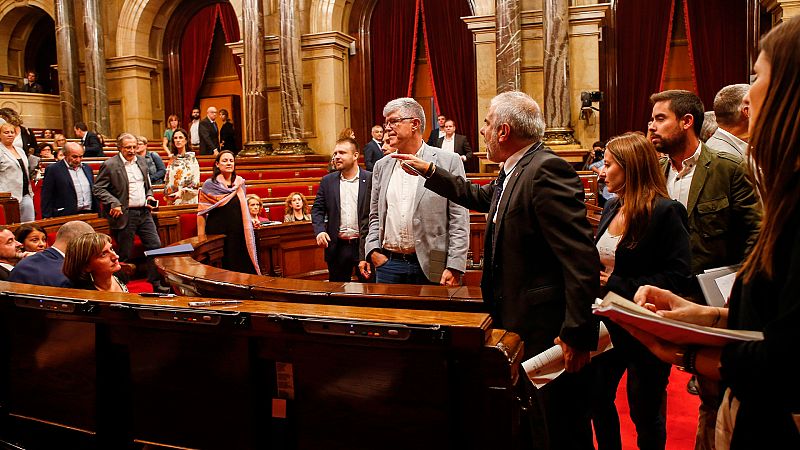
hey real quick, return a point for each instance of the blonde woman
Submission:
(297, 209)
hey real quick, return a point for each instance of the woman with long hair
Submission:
(90, 263)
(183, 171)
(172, 124)
(222, 209)
(14, 173)
(761, 402)
(297, 209)
(642, 238)
(227, 135)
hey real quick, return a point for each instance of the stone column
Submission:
(556, 106)
(256, 127)
(291, 66)
(96, 90)
(69, 83)
(509, 45)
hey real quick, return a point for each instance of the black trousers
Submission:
(343, 259)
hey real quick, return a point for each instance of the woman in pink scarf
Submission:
(220, 202)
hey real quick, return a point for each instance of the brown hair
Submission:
(682, 103)
(644, 183)
(175, 118)
(80, 251)
(774, 145)
(346, 133)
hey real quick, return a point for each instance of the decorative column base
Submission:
(256, 148)
(559, 136)
(293, 147)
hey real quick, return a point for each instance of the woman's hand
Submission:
(666, 304)
(604, 277)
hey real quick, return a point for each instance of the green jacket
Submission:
(724, 210)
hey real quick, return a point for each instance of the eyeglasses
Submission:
(391, 123)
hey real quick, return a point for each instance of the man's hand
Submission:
(450, 278)
(417, 166)
(115, 212)
(147, 203)
(323, 239)
(604, 277)
(378, 259)
(365, 268)
(574, 359)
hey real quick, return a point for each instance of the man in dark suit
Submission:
(123, 188)
(32, 85)
(92, 146)
(340, 214)
(724, 212)
(373, 151)
(438, 131)
(67, 185)
(455, 142)
(540, 270)
(9, 252)
(44, 268)
(209, 133)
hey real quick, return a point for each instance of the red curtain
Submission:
(392, 42)
(451, 57)
(196, 49)
(642, 42)
(718, 44)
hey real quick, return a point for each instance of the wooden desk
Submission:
(94, 370)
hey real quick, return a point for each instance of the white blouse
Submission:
(607, 247)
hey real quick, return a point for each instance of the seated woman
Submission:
(222, 209)
(155, 166)
(255, 207)
(90, 263)
(642, 238)
(32, 237)
(183, 171)
(297, 209)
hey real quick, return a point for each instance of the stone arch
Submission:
(17, 22)
(328, 15)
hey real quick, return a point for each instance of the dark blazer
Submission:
(227, 137)
(42, 269)
(460, 146)
(209, 138)
(372, 153)
(724, 213)
(58, 191)
(325, 213)
(28, 139)
(433, 138)
(111, 188)
(4, 273)
(662, 256)
(543, 275)
(92, 148)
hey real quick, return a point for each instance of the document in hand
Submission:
(548, 365)
(716, 284)
(624, 311)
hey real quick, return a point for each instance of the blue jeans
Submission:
(398, 271)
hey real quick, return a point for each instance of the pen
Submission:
(214, 302)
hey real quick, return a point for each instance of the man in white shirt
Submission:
(340, 214)
(733, 119)
(456, 143)
(194, 128)
(123, 188)
(415, 236)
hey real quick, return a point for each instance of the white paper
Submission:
(725, 285)
(548, 365)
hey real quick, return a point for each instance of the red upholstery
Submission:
(37, 199)
(188, 225)
(3, 217)
(276, 212)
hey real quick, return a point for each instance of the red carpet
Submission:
(137, 286)
(681, 414)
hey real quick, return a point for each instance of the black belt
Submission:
(138, 208)
(408, 257)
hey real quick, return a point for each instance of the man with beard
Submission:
(724, 214)
(340, 214)
(194, 128)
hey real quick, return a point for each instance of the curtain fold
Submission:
(451, 58)
(392, 44)
(642, 41)
(718, 44)
(230, 26)
(195, 52)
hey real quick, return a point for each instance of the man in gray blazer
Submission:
(123, 188)
(733, 119)
(415, 236)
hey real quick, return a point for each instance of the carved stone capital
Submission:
(257, 148)
(293, 147)
(559, 136)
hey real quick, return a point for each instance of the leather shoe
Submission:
(691, 386)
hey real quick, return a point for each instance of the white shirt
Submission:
(449, 144)
(194, 131)
(678, 183)
(607, 248)
(348, 207)
(82, 190)
(509, 165)
(136, 197)
(401, 196)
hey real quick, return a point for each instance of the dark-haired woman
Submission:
(642, 238)
(183, 171)
(222, 209)
(227, 135)
(761, 405)
(32, 237)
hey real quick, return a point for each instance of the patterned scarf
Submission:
(213, 195)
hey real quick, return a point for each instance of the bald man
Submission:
(209, 133)
(67, 185)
